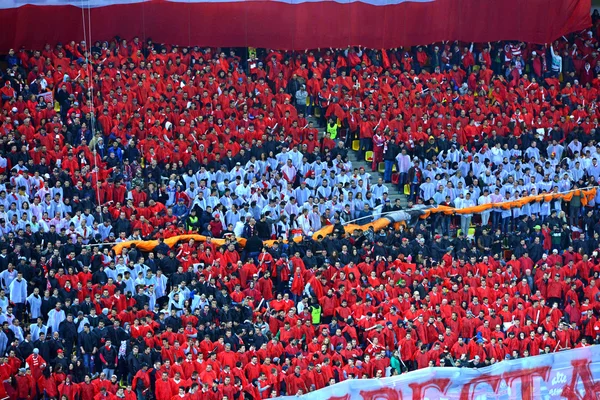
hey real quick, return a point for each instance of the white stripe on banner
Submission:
(372, 2)
(5, 4)
(76, 3)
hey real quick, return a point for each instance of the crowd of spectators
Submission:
(142, 141)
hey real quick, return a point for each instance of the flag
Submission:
(47, 96)
(291, 24)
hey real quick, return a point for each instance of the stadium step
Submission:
(393, 192)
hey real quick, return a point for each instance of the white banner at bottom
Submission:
(572, 375)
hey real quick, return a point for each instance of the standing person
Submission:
(442, 219)
(556, 64)
(332, 128)
(316, 312)
(365, 136)
(465, 219)
(574, 210)
(86, 347)
(108, 358)
(25, 385)
(379, 144)
(55, 317)
(301, 96)
(415, 177)
(68, 333)
(496, 197)
(34, 301)
(141, 382)
(389, 156)
(47, 384)
(18, 295)
(505, 215)
(164, 389)
(36, 363)
(485, 198)
(403, 161)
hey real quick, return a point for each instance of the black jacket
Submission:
(134, 363)
(392, 152)
(108, 356)
(87, 341)
(68, 331)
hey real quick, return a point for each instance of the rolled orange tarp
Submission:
(587, 195)
(149, 245)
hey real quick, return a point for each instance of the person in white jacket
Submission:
(304, 223)
(556, 64)
(485, 198)
(17, 330)
(4, 301)
(18, 294)
(465, 219)
(55, 317)
(7, 276)
(38, 328)
(35, 304)
(404, 165)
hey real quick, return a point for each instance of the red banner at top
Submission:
(293, 24)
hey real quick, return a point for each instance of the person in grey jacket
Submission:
(34, 300)
(18, 294)
(301, 96)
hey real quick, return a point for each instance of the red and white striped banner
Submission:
(290, 24)
(103, 3)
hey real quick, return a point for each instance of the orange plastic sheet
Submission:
(586, 196)
(149, 245)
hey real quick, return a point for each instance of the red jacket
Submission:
(555, 289)
(47, 386)
(164, 390)
(87, 391)
(328, 304)
(25, 386)
(70, 390)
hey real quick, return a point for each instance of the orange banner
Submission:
(586, 196)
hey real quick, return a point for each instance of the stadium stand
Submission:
(129, 140)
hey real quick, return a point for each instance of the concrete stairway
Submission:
(393, 192)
